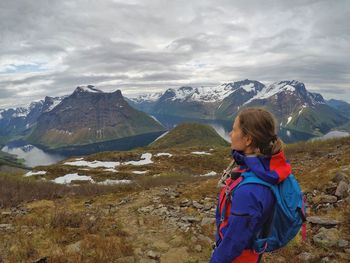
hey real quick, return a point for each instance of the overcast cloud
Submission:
(49, 47)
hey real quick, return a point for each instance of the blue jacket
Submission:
(252, 205)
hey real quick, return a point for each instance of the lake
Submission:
(33, 156)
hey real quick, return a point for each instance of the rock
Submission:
(198, 248)
(330, 188)
(205, 239)
(6, 213)
(343, 243)
(175, 255)
(176, 241)
(207, 207)
(342, 189)
(153, 255)
(146, 209)
(207, 221)
(326, 237)
(74, 248)
(183, 226)
(137, 251)
(6, 227)
(325, 259)
(340, 176)
(331, 155)
(160, 245)
(161, 211)
(185, 202)
(190, 219)
(92, 219)
(88, 202)
(156, 199)
(41, 260)
(328, 199)
(141, 221)
(322, 221)
(306, 257)
(197, 205)
(194, 239)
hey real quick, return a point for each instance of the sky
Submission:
(49, 47)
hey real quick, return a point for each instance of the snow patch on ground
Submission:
(93, 164)
(68, 178)
(35, 173)
(114, 182)
(139, 172)
(145, 159)
(201, 153)
(110, 170)
(212, 173)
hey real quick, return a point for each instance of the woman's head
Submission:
(254, 131)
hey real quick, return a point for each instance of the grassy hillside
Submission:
(166, 214)
(10, 160)
(189, 135)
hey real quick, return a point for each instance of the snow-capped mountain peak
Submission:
(88, 88)
(147, 97)
(52, 102)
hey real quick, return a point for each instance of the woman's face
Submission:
(239, 141)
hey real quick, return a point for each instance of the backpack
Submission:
(289, 213)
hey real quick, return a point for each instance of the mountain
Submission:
(200, 102)
(189, 135)
(340, 105)
(88, 116)
(144, 102)
(295, 108)
(18, 121)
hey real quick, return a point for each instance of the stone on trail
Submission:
(322, 221)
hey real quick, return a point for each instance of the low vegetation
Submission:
(40, 220)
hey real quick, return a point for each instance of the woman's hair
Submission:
(260, 124)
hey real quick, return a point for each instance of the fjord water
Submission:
(32, 156)
(36, 155)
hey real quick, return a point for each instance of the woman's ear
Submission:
(248, 140)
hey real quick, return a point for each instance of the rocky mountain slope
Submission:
(294, 107)
(88, 116)
(19, 121)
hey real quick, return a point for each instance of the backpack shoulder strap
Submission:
(251, 178)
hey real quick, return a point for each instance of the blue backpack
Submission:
(289, 213)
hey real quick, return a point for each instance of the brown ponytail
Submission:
(260, 124)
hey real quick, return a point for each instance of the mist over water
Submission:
(221, 131)
(32, 155)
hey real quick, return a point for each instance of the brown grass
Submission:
(14, 190)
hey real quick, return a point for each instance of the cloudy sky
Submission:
(48, 47)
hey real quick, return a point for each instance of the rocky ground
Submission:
(175, 223)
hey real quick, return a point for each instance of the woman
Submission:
(255, 148)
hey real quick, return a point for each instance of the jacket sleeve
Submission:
(249, 201)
